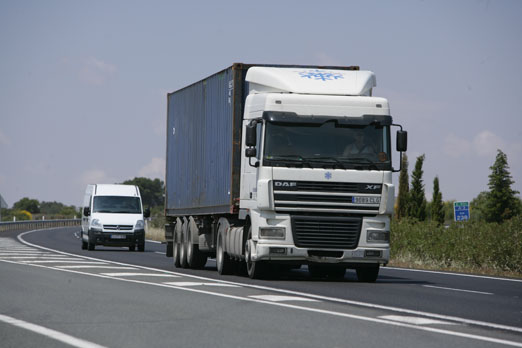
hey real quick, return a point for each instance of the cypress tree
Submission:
(417, 205)
(404, 189)
(437, 206)
(502, 203)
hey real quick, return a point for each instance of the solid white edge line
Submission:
(453, 274)
(461, 290)
(56, 335)
(320, 297)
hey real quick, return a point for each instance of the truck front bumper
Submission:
(292, 254)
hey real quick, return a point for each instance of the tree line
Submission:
(499, 204)
(152, 195)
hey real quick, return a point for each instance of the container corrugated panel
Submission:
(200, 146)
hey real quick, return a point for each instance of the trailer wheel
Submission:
(195, 258)
(255, 269)
(367, 274)
(224, 264)
(176, 244)
(182, 245)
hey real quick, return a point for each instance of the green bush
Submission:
(468, 245)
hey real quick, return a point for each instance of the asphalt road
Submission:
(55, 294)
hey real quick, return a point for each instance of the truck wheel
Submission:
(91, 243)
(182, 246)
(329, 271)
(224, 264)
(195, 258)
(84, 243)
(255, 269)
(176, 247)
(367, 274)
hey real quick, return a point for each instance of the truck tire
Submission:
(195, 258)
(367, 274)
(224, 264)
(255, 269)
(176, 244)
(326, 271)
(182, 245)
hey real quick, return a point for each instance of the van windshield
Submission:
(117, 204)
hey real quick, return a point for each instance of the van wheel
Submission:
(84, 243)
(91, 244)
(141, 244)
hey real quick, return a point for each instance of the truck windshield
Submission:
(328, 144)
(117, 204)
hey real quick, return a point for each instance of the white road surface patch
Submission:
(56, 335)
(415, 320)
(188, 284)
(130, 274)
(278, 298)
(461, 290)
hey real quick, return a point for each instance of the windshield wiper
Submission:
(297, 158)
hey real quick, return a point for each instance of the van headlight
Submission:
(96, 224)
(272, 233)
(140, 225)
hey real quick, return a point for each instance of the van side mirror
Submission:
(146, 213)
(86, 211)
(251, 134)
(402, 140)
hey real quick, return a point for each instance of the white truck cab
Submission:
(113, 216)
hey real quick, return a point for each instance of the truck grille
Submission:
(326, 232)
(118, 227)
(325, 197)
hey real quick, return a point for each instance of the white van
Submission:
(113, 216)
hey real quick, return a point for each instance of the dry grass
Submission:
(155, 233)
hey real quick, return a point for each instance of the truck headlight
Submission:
(378, 236)
(140, 225)
(272, 233)
(96, 224)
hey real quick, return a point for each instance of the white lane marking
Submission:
(130, 274)
(62, 261)
(43, 257)
(56, 335)
(183, 284)
(159, 252)
(153, 241)
(415, 320)
(94, 266)
(276, 298)
(461, 290)
(283, 291)
(453, 274)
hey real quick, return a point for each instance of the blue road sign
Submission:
(461, 210)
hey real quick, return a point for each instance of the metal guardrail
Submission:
(37, 224)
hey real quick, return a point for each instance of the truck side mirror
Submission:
(146, 213)
(86, 211)
(402, 140)
(251, 134)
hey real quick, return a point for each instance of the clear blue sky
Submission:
(83, 84)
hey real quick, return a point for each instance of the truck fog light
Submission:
(372, 253)
(278, 251)
(272, 233)
(378, 237)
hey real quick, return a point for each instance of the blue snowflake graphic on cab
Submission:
(322, 75)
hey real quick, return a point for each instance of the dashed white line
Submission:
(56, 335)
(278, 298)
(189, 284)
(94, 266)
(416, 320)
(130, 274)
(461, 290)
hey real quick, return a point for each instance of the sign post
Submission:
(461, 211)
